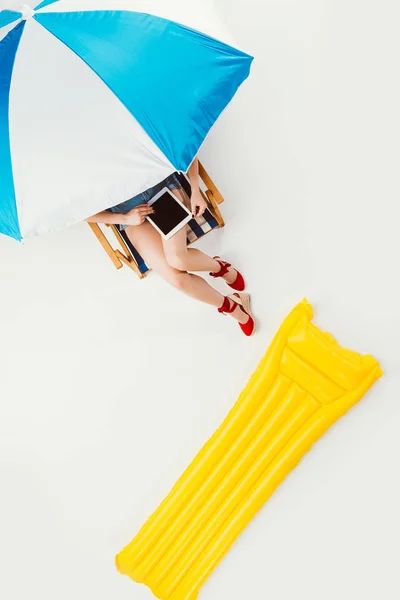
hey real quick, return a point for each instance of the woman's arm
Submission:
(193, 174)
(108, 217)
(198, 203)
(136, 216)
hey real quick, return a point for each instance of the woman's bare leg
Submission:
(148, 243)
(182, 259)
(190, 259)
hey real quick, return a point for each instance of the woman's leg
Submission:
(183, 258)
(148, 243)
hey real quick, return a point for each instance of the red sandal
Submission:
(243, 301)
(239, 284)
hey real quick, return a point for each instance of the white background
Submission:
(109, 386)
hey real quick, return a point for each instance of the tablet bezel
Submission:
(180, 224)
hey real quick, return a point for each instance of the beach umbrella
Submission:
(100, 100)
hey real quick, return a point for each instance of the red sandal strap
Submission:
(224, 269)
(239, 283)
(228, 307)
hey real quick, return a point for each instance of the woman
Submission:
(172, 259)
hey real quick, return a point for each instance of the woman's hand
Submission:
(138, 215)
(198, 203)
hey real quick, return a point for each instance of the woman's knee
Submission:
(180, 280)
(178, 260)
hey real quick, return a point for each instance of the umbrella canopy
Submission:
(100, 100)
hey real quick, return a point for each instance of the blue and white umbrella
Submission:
(100, 100)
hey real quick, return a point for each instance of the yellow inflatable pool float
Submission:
(304, 383)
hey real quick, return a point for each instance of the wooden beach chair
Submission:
(126, 254)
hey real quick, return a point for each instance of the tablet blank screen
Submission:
(168, 213)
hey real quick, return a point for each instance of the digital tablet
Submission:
(170, 213)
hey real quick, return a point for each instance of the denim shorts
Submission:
(172, 183)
